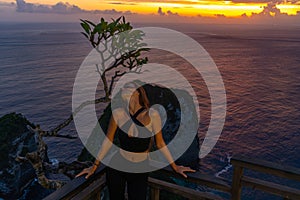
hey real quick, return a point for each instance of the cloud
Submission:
(66, 8)
(159, 1)
(244, 15)
(168, 13)
(7, 4)
(190, 2)
(203, 1)
(60, 8)
(109, 12)
(4, 6)
(270, 11)
(160, 12)
(122, 3)
(220, 15)
(266, 1)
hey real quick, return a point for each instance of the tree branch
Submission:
(117, 74)
(54, 132)
(39, 161)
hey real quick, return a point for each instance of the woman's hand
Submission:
(182, 169)
(89, 171)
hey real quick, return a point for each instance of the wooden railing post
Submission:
(154, 193)
(98, 195)
(236, 183)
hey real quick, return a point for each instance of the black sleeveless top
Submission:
(130, 143)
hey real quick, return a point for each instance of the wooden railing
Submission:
(210, 181)
(239, 179)
(80, 188)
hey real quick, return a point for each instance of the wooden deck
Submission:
(80, 188)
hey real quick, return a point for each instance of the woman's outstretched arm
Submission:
(106, 145)
(161, 145)
(108, 140)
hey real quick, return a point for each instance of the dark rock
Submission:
(35, 192)
(15, 139)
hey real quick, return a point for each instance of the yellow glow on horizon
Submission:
(290, 9)
(219, 8)
(204, 8)
(230, 10)
(207, 8)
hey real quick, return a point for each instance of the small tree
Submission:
(124, 55)
(123, 45)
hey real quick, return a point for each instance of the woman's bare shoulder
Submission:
(153, 113)
(118, 113)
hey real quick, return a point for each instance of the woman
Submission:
(133, 149)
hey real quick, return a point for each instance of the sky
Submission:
(194, 11)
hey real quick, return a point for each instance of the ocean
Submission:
(260, 67)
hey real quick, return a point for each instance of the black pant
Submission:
(116, 180)
(136, 184)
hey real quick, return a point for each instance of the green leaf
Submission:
(117, 21)
(91, 23)
(97, 29)
(86, 27)
(86, 35)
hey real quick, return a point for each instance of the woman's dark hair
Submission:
(143, 99)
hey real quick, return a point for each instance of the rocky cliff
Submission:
(15, 139)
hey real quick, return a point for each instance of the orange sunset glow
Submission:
(183, 7)
(206, 8)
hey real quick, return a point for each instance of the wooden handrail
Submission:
(267, 167)
(280, 190)
(76, 185)
(189, 193)
(238, 180)
(200, 179)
